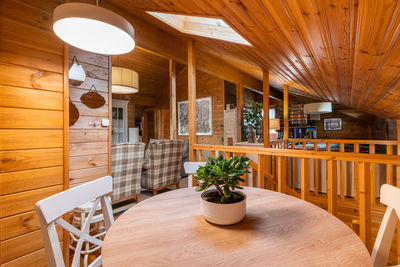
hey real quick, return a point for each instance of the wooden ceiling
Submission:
(345, 51)
(153, 70)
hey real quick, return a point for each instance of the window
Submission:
(201, 26)
(119, 125)
(272, 113)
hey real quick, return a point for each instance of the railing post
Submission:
(293, 173)
(282, 170)
(342, 173)
(305, 179)
(389, 167)
(372, 151)
(200, 156)
(262, 170)
(365, 203)
(316, 172)
(331, 168)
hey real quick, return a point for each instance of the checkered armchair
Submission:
(162, 165)
(126, 170)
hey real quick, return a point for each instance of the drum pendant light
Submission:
(93, 28)
(124, 81)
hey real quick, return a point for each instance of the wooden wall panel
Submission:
(17, 139)
(91, 161)
(18, 160)
(31, 125)
(30, 78)
(88, 139)
(12, 204)
(25, 56)
(19, 224)
(18, 181)
(206, 85)
(30, 98)
(24, 244)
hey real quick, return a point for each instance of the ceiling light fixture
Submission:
(124, 81)
(93, 28)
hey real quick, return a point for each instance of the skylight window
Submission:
(201, 26)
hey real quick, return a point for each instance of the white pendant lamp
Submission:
(93, 28)
(124, 81)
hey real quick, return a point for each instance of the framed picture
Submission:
(203, 117)
(333, 124)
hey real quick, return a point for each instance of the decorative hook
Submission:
(93, 87)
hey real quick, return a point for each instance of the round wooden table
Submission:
(279, 230)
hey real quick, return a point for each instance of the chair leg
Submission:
(177, 185)
(154, 192)
(137, 198)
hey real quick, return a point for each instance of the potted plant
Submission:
(252, 117)
(222, 204)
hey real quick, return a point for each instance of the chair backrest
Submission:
(50, 211)
(165, 157)
(191, 168)
(390, 196)
(126, 169)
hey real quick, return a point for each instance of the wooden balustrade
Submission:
(282, 176)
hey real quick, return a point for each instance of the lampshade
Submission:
(318, 108)
(93, 28)
(124, 81)
(274, 124)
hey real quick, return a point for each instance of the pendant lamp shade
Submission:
(93, 28)
(124, 81)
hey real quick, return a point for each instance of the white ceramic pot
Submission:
(223, 214)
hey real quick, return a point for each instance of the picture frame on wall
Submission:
(333, 124)
(203, 117)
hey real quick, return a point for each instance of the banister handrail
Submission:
(311, 154)
(344, 141)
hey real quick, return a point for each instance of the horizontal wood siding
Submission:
(31, 125)
(87, 137)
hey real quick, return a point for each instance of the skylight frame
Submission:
(209, 27)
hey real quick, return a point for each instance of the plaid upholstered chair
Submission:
(162, 165)
(126, 170)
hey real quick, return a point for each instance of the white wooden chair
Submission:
(191, 168)
(390, 196)
(51, 210)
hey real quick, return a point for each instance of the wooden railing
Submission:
(274, 171)
(356, 146)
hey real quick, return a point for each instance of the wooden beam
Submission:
(172, 99)
(239, 106)
(192, 98)
(266, 107)
(285, 112)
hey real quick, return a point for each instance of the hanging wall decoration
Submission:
(77, 73)
(73, 113)
(93, 99)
